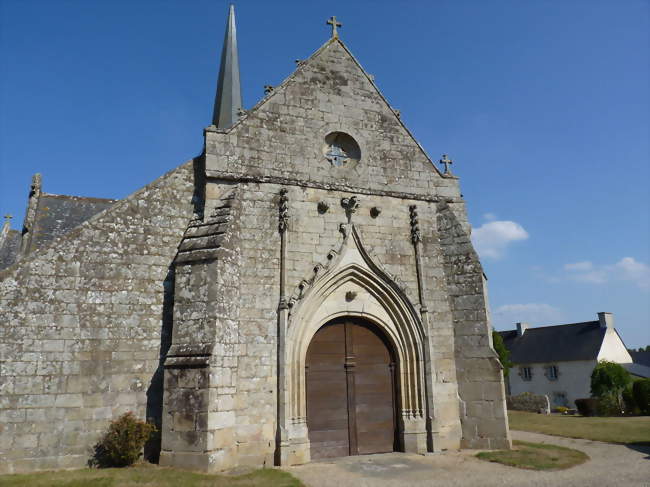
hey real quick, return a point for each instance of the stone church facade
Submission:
(305, 288)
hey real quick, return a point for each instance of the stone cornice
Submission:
(214, 176)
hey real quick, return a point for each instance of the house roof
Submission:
(58, 214)
(637, 369)
(642, 358)
(576, 341)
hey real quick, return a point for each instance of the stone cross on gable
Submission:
(334, 23)
(446, 161)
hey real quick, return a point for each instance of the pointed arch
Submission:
(354, 284)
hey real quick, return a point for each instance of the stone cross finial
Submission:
(446, 161)
(334, 23)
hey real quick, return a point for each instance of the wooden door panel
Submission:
(373, 392)
(353, 412)
(327, 415)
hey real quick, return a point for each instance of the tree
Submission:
(609, 380)
(502, 352)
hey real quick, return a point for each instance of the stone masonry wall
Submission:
(281, 143)
(480, 379)
(81, 328)
(243, 409)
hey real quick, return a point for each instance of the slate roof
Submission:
(9, 249)
(637, 369)
(57, 214)
(642, 358)
(560, 343)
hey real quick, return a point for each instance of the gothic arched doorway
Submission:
(351, 393)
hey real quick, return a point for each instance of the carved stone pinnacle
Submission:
(350, 205)
(283, 211)
(415, 224)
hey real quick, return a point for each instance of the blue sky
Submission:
(543, 106)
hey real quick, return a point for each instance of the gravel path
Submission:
(610, 465)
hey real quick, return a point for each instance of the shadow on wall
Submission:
(155, 390)
(156, 387)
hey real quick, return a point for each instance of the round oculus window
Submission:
(341, 150)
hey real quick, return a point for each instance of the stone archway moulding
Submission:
(354, 284)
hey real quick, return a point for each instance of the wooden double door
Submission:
(351, 394)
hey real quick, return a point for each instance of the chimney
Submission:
(606, 320)
(521, 328)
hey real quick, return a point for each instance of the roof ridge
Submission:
(43, 193)
(555, 326)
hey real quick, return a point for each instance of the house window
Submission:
(526, 373)
(551, 372)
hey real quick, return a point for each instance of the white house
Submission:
(557, 361)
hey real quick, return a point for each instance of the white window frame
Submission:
(526, 373)
(552, 372)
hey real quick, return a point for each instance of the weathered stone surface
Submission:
(82, 327)
(216, 269)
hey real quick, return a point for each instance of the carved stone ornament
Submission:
(323, 207)
(322, 269)
(375, 211)
(283, 211)
(350, 295)
(351, 205)
(415, 224)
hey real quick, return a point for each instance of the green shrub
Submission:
(122, 444)
(502, 352)
(629, 404)
(609, 405)
(641, 392)
(587, 406)
(609, 378)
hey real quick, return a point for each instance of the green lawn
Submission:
(634, 429)
(536, 456)
(148, 475)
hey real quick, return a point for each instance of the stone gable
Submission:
(283, 137)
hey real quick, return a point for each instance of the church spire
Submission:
(228, 102)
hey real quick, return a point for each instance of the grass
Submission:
(633, 429)
(536, 456)
(148, 475)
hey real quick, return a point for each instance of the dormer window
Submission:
(551, 372)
